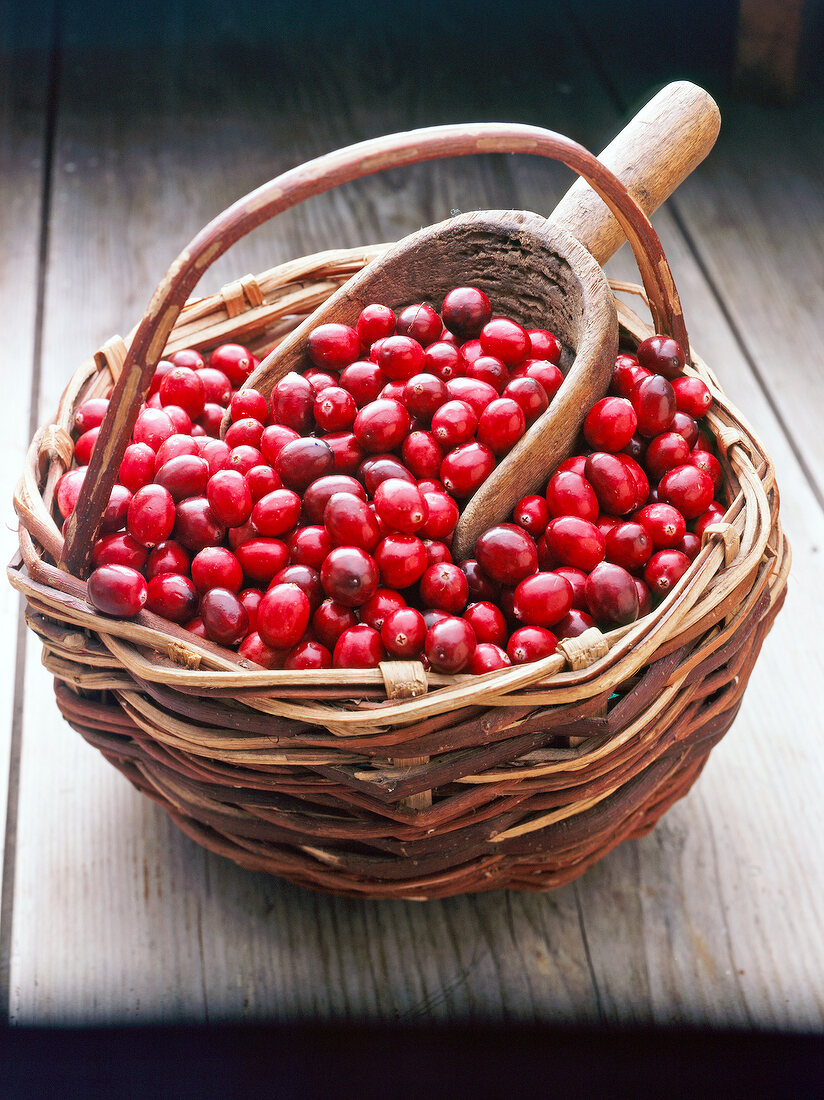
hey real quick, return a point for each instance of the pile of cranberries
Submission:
(317, 533)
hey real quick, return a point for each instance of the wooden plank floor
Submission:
(118, 146)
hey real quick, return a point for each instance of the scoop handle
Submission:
(652, 155)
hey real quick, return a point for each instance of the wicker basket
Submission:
(394, 782)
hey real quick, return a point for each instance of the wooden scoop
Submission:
(543, 273)
(551, 280)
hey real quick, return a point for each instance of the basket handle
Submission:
(287, 190)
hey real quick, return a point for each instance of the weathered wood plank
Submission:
(24, 84)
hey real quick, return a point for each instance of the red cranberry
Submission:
(247, 432)
(167, 557)
(308, 655)
(276, 513)
(653, 399)
(183, 476)
(713, 514)
(487, 657)
(400, 358)
(196, 526)
(481, 587)
(117, 590)
(423, 394)
(195, 626)
(136, 467)
(547, 374)
(378, 468)
(542, 599)
(119, 549)
(575, 541)
(501, 425)
(172, 596)
(506, 340)
(334, 409)
(444, 587)
(445, 361)
(644, 597)
(570, 494)
(450, 644)
(330, 620)
(487, 368)
(473, 391)
(349, 575)
(254, 649)
(628, 545)
(465, 311)
(466, 468)
(152, 427)
(574, 623)
(283, 616)
(688, 489)
(401, 559)
(577, 580)
(250, 598)
(401, 505)
(261, 480)
(229, 497)
(216, 567)
(358, 647)
(453, 423)
(333, 346)
(529, 394)
(120, 500)
(381, 425)
(614, 483)
(421, 322)
(303, 461)
(151, 515)
(374, 323)
(346, 451)
(85, 445)
(610, 424)
(403, 633)
(611, 595)
(692, 396)
(664, 570)
(664, 524)
(217, 454)
(532, 513)
(216, 385)
(174, 447)
(351, 522)
(506, 553)
(236, 362)
(487, 622)
(244, 458)
(90, 413)
(686, 426)
(293, 400)
(321, 491)
(310, 546)
(376, 609)
(531, 643)
(437, 553)
(707, 462)
(665, 452)
(638, 476)
(183, 387)
(422, 454)
(690, 545)
(224, 617)
(661, 355)
(363, 380)
(544, 345)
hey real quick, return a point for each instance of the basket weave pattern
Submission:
(388, 782)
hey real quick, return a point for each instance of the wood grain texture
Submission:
(122, 918)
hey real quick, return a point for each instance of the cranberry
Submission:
(692, 396)
(293, 400)
(321, 491)
(358, 647)
(152, 426)
(487, 622)
(119, 549)
(690, 545)
(400, 358)
(664, 570)
(487, 657)
(245, 433)
(506, 553)
(611, 595)
(167, 557)
(664, 524)
(529, 394)
(250, 598)
(450, 644)
(195, 626)
(183, 476)
(636, 449)
(501, 425)
(303, 461)
(576, 578)
(614, 483)
(308, 655)
(117, 590)
(260, 481)
(627, 374)
(422, 454)
(330, 620)
(381, 425)
(276, 513)
(466, 468)
(473, 391)
(274, 439)
(90, 413)
(401, 505)
(136, 467)
(453, 423)
(481, 587)
(445, 361)
(661, 355)
(532, 513)
(665, 452)
(707, 462)
(229, 497)
(310, 546)
(376, 609)
(544, 344)
(465, 311)
(184, 387)
(531, 643)
(217, 454)
(172, 596)
(363, 380)
(244, 458)
(196, 526)
(574, 623)
(173, 447)
(542, 599)
(224, 617)
(401, 559)
(347, 453)
(688, 489)
(151, 515)
(216, 386)
(235, 361)
(253, 648)
(350, 521)
(374, 323)
(333, 346)
(644, 597)
(216, 567)
(570, 494)
(575, 541)
(403, 633)
(379, 468)
(686, 426)
(487, 368)
(349, 575)
(713, 514)
(437, 553)
(334, 409)
(283, 615)
(421, 322)
(423, 394)
(444, 587)
(114, 517)
(506, 340)
(653, 399)
(628, 545)
(610, 424)
(575, 464)
(547, 374)
(638, 476)
(85, 445)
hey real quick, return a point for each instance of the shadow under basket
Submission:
(392, 782)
